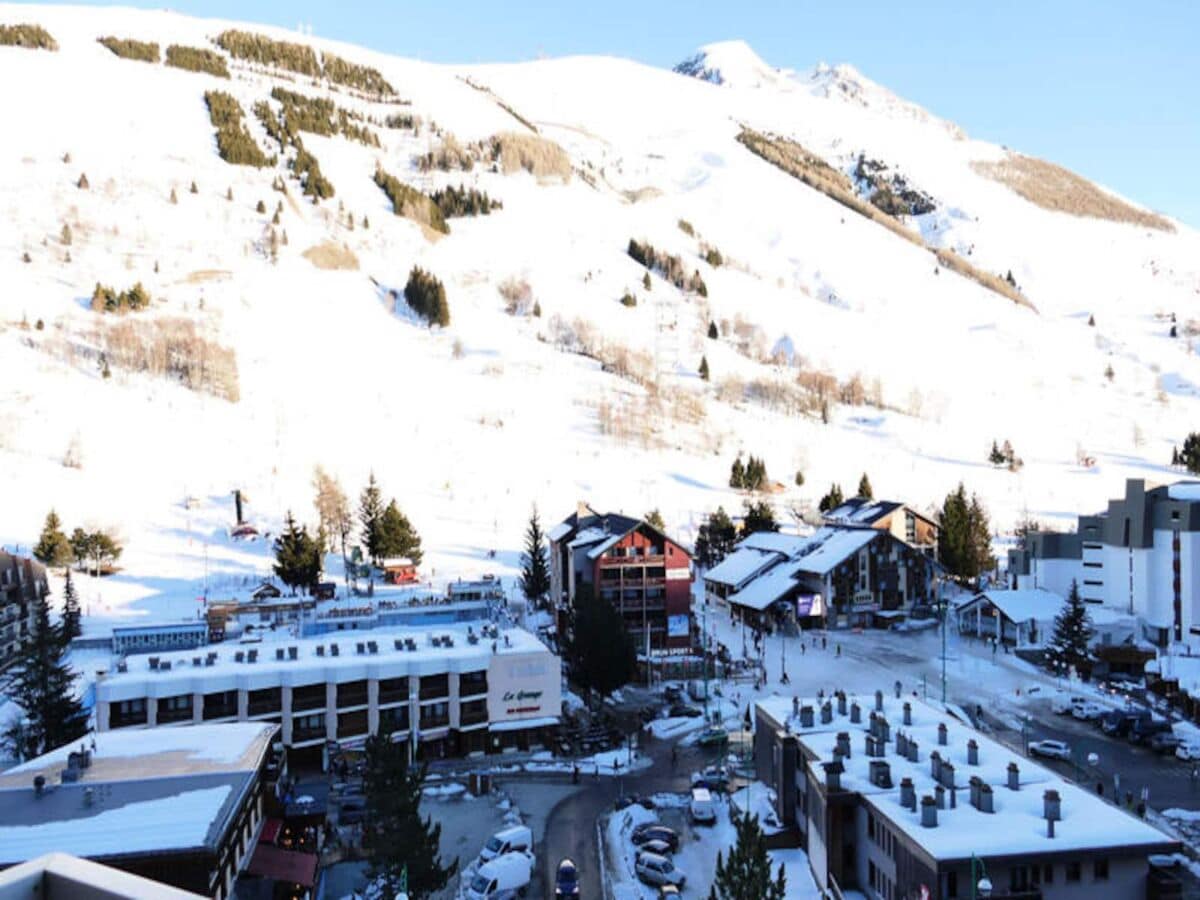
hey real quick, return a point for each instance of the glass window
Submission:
(1073, 871)
(1100, 869)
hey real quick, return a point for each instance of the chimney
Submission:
(953, 797)
(885, 731)
(873, 724)
(1014, 777)
(879, 701)
(841, 703)
(843, 743)
(972, 752)
(855, 714)
(833, 776)
(826, 713)
(908, 794)
(1051, 806)
(947, 770)
(880, 773)
(929, 808)
(897, 689)
(913, 751)
(874, 748)
(39, 785)
(941, 734)
(939, 794)
(907, 713)
(901, 744)
(935, 766)
(237, 502)
(975, 783)
(985, 798)
(581, 511)
(806, 717)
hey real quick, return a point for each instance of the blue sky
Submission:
(1108, 88)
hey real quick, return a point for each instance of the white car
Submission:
(1052, 749)
(1089, 712)
(1188, 751)
(1064, 705)
(658, 870)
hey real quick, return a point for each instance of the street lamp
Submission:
(981, 885)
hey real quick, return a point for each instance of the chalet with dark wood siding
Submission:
(642, 572)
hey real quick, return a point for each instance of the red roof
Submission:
(283, 865)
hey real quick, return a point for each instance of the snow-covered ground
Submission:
(470, 425)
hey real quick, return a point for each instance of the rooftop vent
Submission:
(334, 650)
(240, 656)
(880, 773)
(975, 784)
(843, 743)
(879, 701)
(372, 647)
(806, 717)
(196, 661)
(360, 648)
(826, 713)
(397, 643)
(164, 666)
(252, 656)
(935, 766)
(986, 798)
(841, 703)
(907, 713)
(929, 810)
(410, 643)
(472, 639)
(913, 751)
(941, 734)
(1014, 777)
(947, 770)
(293, 652)
(1052, 806)
(855, 714)
(279, 653)
(972, 752)
(320, 649)
(154, 663)
(122, 666)
(39, 785)
(908, 794)
(833, 775)
(939, 794)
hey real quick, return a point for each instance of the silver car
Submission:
(658, 870)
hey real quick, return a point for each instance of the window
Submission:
(1100, 870)
(1074, 871)
(951, 884)
(307, 728)
(871, 826)
(470, 683)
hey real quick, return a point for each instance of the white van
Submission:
(514, 839)
(504, 877)
(702, 807)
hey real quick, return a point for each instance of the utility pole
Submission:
(942, 606)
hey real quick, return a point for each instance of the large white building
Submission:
(1138, 557)
(448, 690)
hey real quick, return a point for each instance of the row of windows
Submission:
(883, 886)
(1032, 877)
(881, 836)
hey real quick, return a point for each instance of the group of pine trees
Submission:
(95, 550)
(312, 180)
(1189, 456)
(455, 202)
(234, 143)
(426, 294)
(409, 202)
(105, 299)
(668, 266)
(297, 556)
(316, 115)
(386, 531)
(1004, 455)
(127, 48)
(748, 476)
(965, 539)
(197, 59)
(257, 48)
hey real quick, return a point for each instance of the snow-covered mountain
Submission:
(845, 345)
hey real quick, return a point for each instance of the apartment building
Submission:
(22, 581)
(448, 690)
(895, 799)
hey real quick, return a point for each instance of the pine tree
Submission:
(403, 847)
(715, 538)
(832, 500)
(864, 488)
(72, 625)
(964, 540)
(42, 684)
(174, 197)
(193, 189)
(704, 368)
(370, 512)
(1189, 457)
(759, 517)
(799, 478)
(655, 520)
(1091, 321)
(1068, 646)
(535, 569)
(1175, 461)
(599, 649)
(746, 873)
(53, 549)
(229, 194)
(646, 282)
(82, 184)
(261, 208)
(996, 457)
(397, 537)
(65, 237)
(737, 474)
(297, 557)
(713, 334)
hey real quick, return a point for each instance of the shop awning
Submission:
(283, 865)
(520, 724)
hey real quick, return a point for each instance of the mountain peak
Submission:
(732, 63)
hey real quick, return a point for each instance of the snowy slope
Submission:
(470, 425)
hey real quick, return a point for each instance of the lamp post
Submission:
(941, 584)
(981, 885)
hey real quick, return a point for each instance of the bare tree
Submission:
(333, 511)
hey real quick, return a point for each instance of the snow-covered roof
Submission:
(741, 564)
(768, 587)
(775, 541)
(559, 531)
(153, 791)
(1184, 490)
(396, 562)
(604, 546)
(830, 545)
(1015, 828)
(588, 536)
(1021, 605)
(1184, 669)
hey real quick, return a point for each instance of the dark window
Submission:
(1100, 869)
(127, 712)
(1074, 871)
(308, 728)
(352, 724)
(394, 718)
(435, 686)
(473, 712)
(220, 705)
(393, 690)
(308, 696)
(435, 715)
(352, 693)
(471, 683)
(174, 709)
(951, 884)
(268, 700)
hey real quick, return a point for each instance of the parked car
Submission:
(1117, 723)
(1145, 728)
(501, 878)
(628, 800)
(684, 711)
(657, 847)
(1088, 711)
(653, 831)
(713, 736)
(1065, 705)
(514, 839)
(1050, 748)
(668, 892)
(702, 808)
(566, 881)
(1187, 751)
(1165, 742)
(715, 778)
(658, 870)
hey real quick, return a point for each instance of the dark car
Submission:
(682, 710)
(1144, 729)
(1117, 723)
(1165, 742)
(633, 799)
(566, 881)
(652, 831)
